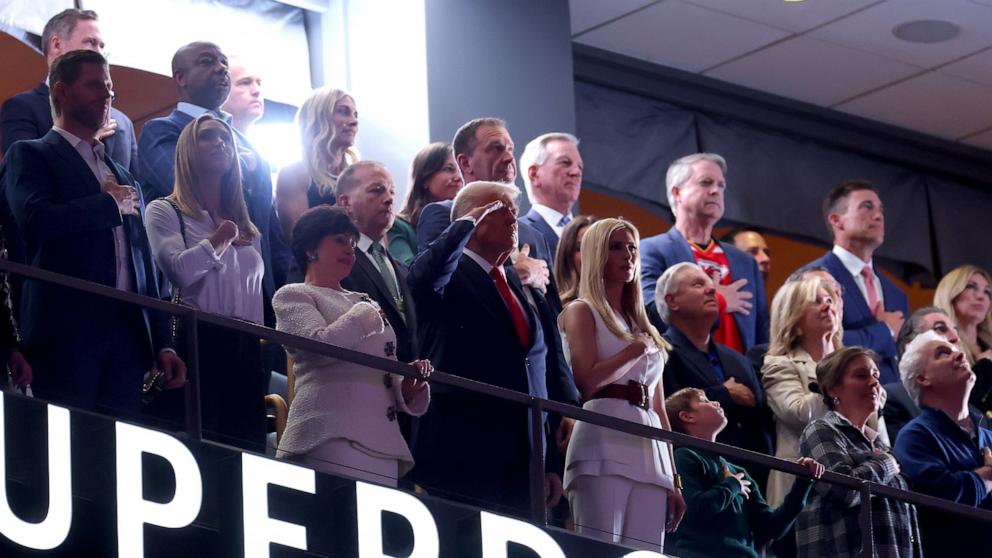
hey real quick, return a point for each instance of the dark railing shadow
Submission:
(537, 406)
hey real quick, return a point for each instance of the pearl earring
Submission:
(311, 257)
(835, 401)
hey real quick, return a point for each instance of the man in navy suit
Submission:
(200, 71)
(688, 303)
(874, 308)
(695, 185)
(28, 115)
(552, 176)
(81, 216)
(479, 323)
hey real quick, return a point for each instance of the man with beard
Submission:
(81, 216)
(200, 71)
(874, 308)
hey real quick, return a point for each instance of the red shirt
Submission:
(714, 262)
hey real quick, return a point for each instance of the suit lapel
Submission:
(696, 360)
(681, 246)
(372, 275)
(855, 305)
(76, 163)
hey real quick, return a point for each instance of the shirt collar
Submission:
(483, 263)
(869, 433)
(679, 338)
(552, 216)
(197, 111)
(364, 243)
(79, 143)
(852, 263)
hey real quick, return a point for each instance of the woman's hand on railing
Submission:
(815, 468)
(412, 386)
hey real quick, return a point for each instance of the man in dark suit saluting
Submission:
(81, 216)
(365, 190)
(478, 322)
(28, 115)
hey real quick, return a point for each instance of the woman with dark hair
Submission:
(434, 176)
(841, 439)
(336, 419)
(568, 263)
(207, 246)
(621, 487)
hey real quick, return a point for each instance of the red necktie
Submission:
(870, 287)
(516, 313)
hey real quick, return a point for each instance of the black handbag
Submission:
(154, 383)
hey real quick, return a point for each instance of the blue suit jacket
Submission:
(660, 252)
(28, 116)
(67, 225)
(475, 446)
(860, 326)
(157, 149)
(534, 219)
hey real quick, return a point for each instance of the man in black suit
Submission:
(552, 172)
(28, 115)
(478, 322)
(200, 71)
(686, 300)
(81, 216)
(365, 191)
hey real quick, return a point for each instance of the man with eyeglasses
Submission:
(28, 115)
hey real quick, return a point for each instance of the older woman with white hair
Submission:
(945, 451)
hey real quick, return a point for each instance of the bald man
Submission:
(200, 72)
(246, 104)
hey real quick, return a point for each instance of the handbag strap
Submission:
(176, 295)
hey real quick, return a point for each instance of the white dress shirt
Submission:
(197, 111)
(854, 265)
(228, 283)
(93, 155)
(551, 216)
(364, 243)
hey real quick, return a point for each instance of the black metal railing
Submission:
(537, 406)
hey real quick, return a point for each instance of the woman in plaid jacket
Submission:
(842, 441)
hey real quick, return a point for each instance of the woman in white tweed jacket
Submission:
(342, 419)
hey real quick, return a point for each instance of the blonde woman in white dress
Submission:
(622, 488)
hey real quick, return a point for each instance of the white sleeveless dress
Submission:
(598, 451)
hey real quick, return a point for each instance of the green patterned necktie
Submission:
(378, 254)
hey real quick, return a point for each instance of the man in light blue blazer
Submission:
(695, 185)
(874, 308)
(552, 173)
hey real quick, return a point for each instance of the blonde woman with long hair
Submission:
(964, 294)
(622, 488)
(207, 246)
(328, 123)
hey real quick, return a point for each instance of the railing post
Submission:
(864, 517)
(537, 508)
(194, 418)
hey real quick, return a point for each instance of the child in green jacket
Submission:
(726, 515)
